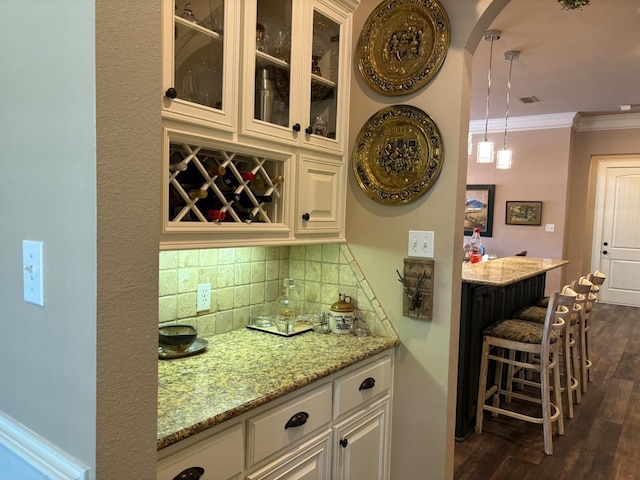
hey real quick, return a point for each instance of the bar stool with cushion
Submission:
(570, 372)
(537, 349)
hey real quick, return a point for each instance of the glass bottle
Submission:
(475, 243)
(288, 308)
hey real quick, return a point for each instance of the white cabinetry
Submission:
(283, 96)
(220, 455)
(336, 429)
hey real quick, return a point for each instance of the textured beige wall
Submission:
(425, 374)
(128, 93)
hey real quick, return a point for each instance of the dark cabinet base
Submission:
(481, 306)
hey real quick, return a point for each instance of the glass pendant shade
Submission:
(485, 152)
(485, 148)
(503, 159)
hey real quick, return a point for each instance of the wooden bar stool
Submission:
(570, 373)
(583, 286)
(520, 344)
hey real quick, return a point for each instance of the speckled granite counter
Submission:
(243, 369)
(504, 271)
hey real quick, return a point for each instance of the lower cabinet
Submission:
(337, 428)
(310, 461)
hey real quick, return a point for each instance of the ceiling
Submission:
(585, 61)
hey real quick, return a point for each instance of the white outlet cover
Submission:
(203, 299)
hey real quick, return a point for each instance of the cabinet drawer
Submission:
(221, 456)
(361, 386)
(287, 423)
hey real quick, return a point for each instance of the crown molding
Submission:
(621, 121)
(559, 120)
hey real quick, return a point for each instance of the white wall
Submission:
(48, 193)
(82, 370)
(424, 404)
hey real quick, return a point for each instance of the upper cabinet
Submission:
(295, 72)
(255, 88)
(200, 68)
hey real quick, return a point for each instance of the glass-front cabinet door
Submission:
(199, 64)
(295, 72)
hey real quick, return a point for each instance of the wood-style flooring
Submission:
(601, 442)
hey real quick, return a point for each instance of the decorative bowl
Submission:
(177, 337)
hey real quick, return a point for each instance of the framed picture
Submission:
(523, 213)
(478, 209)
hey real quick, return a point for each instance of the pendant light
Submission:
(505, 156)
(485, 148)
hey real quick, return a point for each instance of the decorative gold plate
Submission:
(398, 155)
(403, 45)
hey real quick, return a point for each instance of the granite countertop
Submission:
(507, 270)
(244, 369)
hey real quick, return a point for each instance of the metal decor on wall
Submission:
(398, 155)
(402, 45)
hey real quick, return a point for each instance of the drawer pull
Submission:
(344, 442)
(367, 383)
(191, 473)
(297, 420)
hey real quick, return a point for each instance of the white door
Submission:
(616, 247)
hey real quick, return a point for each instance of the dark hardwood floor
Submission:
(601, 442)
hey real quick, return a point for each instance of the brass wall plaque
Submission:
(398, 155)
(402, 45)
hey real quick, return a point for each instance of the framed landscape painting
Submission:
(478, 209)
(523, 213)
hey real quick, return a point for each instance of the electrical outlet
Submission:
(33, 272)
(203, 300)
(421, 244)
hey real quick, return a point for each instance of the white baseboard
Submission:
(37, 452)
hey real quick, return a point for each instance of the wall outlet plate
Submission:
(203, 299)
(421, 244)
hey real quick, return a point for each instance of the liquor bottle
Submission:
(475, 244)
(246, 202)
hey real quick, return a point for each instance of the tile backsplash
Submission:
(246, 278)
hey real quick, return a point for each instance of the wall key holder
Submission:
(418, 288)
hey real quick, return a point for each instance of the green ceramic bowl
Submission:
(176, 337)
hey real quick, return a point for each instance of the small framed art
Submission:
(523, 213)
(478, 209)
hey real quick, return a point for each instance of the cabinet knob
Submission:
(297, 420)
(308, 130)
(367, 383)
(171, 92)
(191, 473)
(306, 217)
(344, 442)
(296, 127)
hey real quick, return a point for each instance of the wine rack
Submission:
(217, 186)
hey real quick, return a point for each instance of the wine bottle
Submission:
(214, 215)
(197, 193)
(215, 170)
(230, 180)
(246, 202)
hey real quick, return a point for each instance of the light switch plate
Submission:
(550, 227)
(33, 272)
(421, 244)
(203, 300)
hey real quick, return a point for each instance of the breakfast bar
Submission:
(491, 291)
